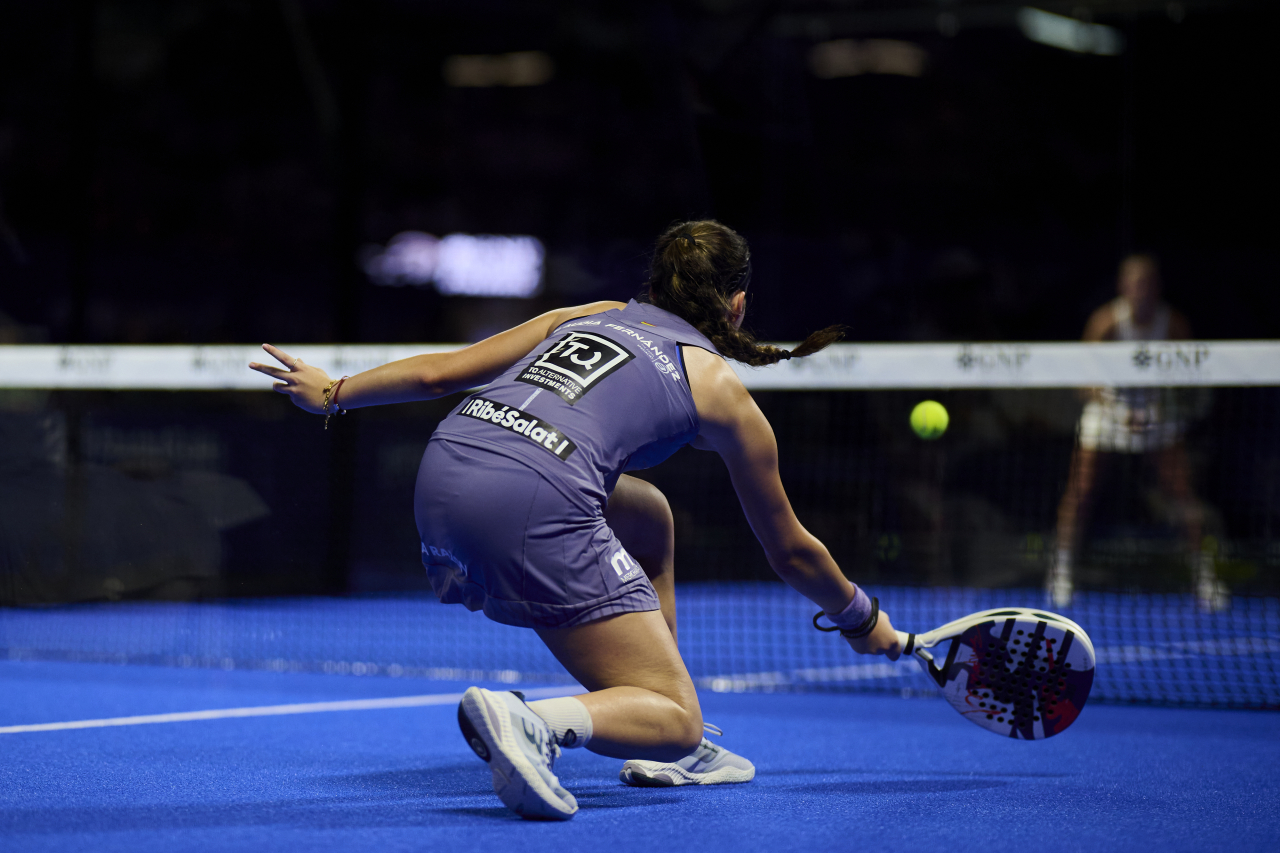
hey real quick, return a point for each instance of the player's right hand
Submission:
(883, 640)
(302, 383)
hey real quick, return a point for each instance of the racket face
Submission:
(1018, 675)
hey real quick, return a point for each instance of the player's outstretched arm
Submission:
(421, 377)
(733, 425)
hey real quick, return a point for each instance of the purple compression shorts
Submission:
(498, 537)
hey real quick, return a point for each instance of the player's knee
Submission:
(681, 730)
(656, 508)
(640, 514)
(689, 732)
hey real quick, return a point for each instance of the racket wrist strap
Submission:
(867, 626)
(857, 620)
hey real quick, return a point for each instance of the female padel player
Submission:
(524, 511)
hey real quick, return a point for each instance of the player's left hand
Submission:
(303, 383)
(883, 640)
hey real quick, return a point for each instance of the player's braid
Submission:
(697, 268)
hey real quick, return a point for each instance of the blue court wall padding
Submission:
(741, 637)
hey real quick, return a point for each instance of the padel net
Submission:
(157, 463)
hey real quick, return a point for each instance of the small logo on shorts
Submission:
(441, 555)
(625, 565)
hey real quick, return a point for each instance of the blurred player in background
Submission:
(1143, 421)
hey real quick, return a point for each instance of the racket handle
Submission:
(907, 641)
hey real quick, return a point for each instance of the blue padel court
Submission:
(834, 771)
(331, 725)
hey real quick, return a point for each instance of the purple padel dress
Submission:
(512, 488)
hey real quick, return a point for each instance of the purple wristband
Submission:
(856, 614)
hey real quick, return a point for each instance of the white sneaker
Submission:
(1059, 588)
(1212, 595)
(520, 750)
(707, 765)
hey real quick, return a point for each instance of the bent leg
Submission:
(642, 701)
(1077, 500)
(639, 515)
(1173, 473)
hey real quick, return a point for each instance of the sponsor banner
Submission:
(541, 433)
(1013, 365)
(843, 366)
(181, 368)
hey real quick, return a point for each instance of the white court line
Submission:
(277, 710)
(743, 681)
(730, 683)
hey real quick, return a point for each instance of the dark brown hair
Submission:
(697, 268)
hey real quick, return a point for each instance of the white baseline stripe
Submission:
(276, 710)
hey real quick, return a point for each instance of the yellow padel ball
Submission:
(929, 419)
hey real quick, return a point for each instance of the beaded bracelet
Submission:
(331, 390)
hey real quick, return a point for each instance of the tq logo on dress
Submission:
(1171, 357)
(993, 357)
(575, 365)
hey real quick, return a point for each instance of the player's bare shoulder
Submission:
(711, 379)
(718, 393)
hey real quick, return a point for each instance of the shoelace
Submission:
(710, 728)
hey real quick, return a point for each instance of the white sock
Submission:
(1064, 560)
(568, 719)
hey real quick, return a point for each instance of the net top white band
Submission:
(840, 367)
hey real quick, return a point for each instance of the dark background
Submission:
(207, 171)
(210, 171)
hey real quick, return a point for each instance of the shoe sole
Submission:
(516, 782)
(673, 775)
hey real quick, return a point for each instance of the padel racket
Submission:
(1018, 672)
